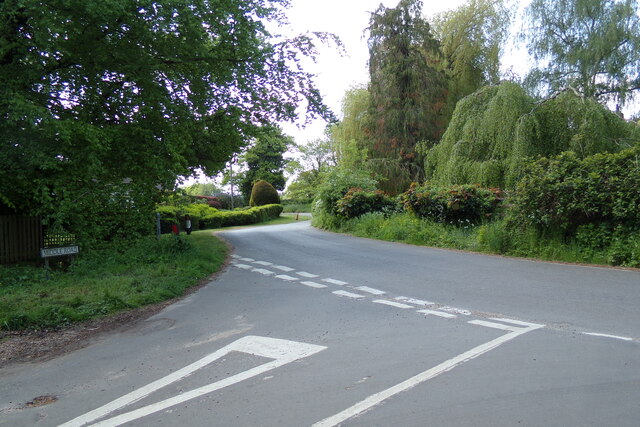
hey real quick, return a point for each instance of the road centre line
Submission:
(422, 377)
(392, 303)
(263, 271)
(282, 351)
(286, 277)
(348, 294)
(335, 282)
(415, 301)
(314, 285)
(595, 334)
(283, 268)
(370, 290)
(438, 313)
(305, 274)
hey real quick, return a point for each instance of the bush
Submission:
(206, 217)
(565, 192)
(457, 205)
(336, 185)
(263, 193)
(357, 202)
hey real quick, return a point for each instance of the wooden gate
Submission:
(21, 238)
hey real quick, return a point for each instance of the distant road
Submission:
(313, 328)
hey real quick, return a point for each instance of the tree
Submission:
(591, 47)
(264, 160)
(407, 91)
(471, 39)
(104, 103)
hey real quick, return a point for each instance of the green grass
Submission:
(493, 238)
(297, 207)
(107, 281)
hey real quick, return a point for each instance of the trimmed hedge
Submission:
(457, 205)
(205, 217)
(263, 193)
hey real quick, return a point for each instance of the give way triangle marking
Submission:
(281, 351)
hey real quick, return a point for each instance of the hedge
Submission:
(205, 217)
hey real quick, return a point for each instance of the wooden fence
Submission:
(21, 238)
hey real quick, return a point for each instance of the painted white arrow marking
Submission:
(282, 351)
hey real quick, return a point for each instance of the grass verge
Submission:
(107, 281)
(493, 238)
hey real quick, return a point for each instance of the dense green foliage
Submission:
(456, 205)
(105, 281)
(104, 103)
(336, 185)
(566, 192)
(357, 202)
(471, 41)
(263, 193)
(478, 146)
(495, 130)
(407, 92)
(264, 161)
(589, 46)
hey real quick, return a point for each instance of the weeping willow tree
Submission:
(494, 132)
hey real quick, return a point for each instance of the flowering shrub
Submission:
(458, 204)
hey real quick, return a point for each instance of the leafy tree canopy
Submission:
(589, 46)
(121, 96)
(265, 161)
(471, 39)
(407, 91)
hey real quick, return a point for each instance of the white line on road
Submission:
(370, 290)
(242, 266)
(235, 256)
(392, 303)
(455, 310)
(517, 322)
(335, 282)
(283, 351)
(246, 259)
(263, 271)
(265, 263)
(314, 285)
(380, 397)
(283, 268)
(305, 274)
(595, 334)
(348, 294)
(493, 325)
(438, 313)
(415, 301)
(287, 278)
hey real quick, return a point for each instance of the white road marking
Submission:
(493, 325)
(265, 263)
(380, 397)
(335, 282)
(242, 266)
(517, 322)
(314, 285)
(370, 290)
(287, 278)
(263, 271)
(438, 313)
(305, 274)
(595, 334)
(282, 351)
(392, 303)
(348, 294)
(455, 310)
(247, 259)
(235, 256)
(415, 301)
(284, 268)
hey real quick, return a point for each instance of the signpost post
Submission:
(47, 253)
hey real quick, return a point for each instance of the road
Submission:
(309, 328)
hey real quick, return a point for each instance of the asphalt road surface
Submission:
(308, 328)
